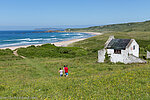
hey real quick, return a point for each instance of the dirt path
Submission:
(16, 54)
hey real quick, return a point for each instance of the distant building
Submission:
(148, 55)
(120, 50)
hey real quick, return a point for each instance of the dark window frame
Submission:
(117, 51)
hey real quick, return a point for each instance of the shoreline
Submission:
(93, 33)
(59, 44)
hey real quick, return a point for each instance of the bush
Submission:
(49, 50)
(7, 54)
(107, 58)
(148, 47)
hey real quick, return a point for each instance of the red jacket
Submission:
(66, 69)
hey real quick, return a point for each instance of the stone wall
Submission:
(101, 55)
(134, 59)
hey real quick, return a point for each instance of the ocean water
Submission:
(20, 38)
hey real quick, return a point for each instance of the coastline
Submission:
(93, 33)
(61, 44)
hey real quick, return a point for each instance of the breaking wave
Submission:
(8, 39)
(18, 44)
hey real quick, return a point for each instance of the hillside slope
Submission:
(125, 27)
(37, 77)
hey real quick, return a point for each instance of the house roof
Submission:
(118, 44)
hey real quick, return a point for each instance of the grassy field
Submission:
(37, 76)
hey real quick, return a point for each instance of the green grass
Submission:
(124, 27)
(37, 75)
(87, 79)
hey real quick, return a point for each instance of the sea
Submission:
(33, 37)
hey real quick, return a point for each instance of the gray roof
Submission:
(118, 44)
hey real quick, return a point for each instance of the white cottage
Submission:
(120, 50)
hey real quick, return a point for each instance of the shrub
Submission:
(7, 54)
(148, 47)
(107, 58)
(50, 50)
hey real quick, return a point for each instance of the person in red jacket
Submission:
(66, 70)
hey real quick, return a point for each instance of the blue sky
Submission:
(71, 12)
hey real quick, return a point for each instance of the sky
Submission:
(45, 13)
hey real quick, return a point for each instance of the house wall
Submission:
(124, 57)
(117, 57)
(130, 48)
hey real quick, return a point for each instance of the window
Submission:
(117, 51)
(134, 47)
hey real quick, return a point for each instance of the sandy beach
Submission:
(93, 33)
(62, 43)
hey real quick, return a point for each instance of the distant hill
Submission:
(124, 27)
(53, 29)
